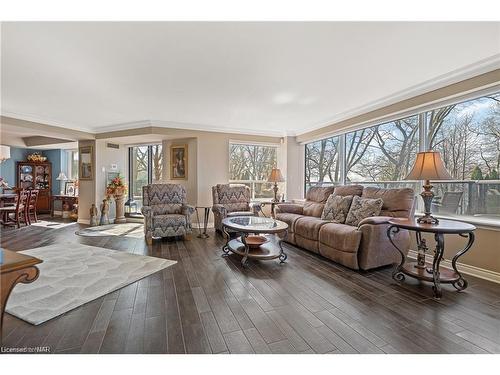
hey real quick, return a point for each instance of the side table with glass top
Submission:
(421, 270)
(260, 238)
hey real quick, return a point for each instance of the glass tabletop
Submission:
(255, 224)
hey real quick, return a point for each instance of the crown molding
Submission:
(183, 126)
(469, 71)
(45, 121)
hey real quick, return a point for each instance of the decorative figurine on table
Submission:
(104, 212)
(93, 215)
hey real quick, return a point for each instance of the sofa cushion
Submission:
(362, 208)
(336, 208)
(288, 218)
(319, 194)
(340, 236)
(397, 202)
(313, 209)
(344, 190)
(308, 227)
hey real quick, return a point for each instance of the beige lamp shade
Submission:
(429, 166)
(275, 176)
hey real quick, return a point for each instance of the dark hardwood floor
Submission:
(210, 304)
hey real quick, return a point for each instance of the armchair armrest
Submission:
(187, 209)
(219, 209)
(255, 207)
(146, 210)
(375, 220)
(292, 208)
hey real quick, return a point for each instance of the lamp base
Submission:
(275, 189)
(427, 196)
(427, 219)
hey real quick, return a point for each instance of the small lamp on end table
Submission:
(275, 177)
(428, 166)
(62, 177)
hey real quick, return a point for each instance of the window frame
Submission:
(252, 182)
(130, 157)
(422, 114)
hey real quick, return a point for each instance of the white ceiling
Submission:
(275, 78)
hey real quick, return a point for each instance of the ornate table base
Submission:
(16, 268)
(432, 272)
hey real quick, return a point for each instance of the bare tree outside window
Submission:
(251, 165)
(382, 153)
(322, 166)
(466, 134)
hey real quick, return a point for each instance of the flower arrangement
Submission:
(36, 157)
(116, 187)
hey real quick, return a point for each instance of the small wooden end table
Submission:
(15, 268)
(421, 270)
(270, 231)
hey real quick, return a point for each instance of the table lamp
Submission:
(62, 177)
(428, 166)
(275, 177)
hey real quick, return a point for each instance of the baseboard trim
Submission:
(84, 221)
(467, 269)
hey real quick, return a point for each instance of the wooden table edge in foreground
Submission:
(15, 268)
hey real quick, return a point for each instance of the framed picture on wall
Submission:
(86, 163)
(178, 162)
(70, 188)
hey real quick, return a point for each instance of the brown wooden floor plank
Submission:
(238, 343)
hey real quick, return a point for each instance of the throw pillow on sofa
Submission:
(336, 208)
(362, 208)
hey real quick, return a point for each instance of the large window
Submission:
(322, 162)
(146, 167)
(467, 135)
(382, 153)
(251, 165)
(72, 164)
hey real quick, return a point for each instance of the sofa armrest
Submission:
(292, 208)
(375, 220)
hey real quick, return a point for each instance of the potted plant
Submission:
(117, 189)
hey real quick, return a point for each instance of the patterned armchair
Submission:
(165, 211)
(232, 200)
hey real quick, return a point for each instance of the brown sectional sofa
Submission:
(365, 246)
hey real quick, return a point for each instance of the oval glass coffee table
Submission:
(260, 238)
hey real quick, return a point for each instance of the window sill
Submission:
(483, 223)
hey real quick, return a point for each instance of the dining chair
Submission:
(19, 211)
(31, 207)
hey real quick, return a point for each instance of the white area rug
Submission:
(134, 230)
(74, 274)
(50, 224)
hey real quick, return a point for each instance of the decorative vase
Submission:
(120, 209)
